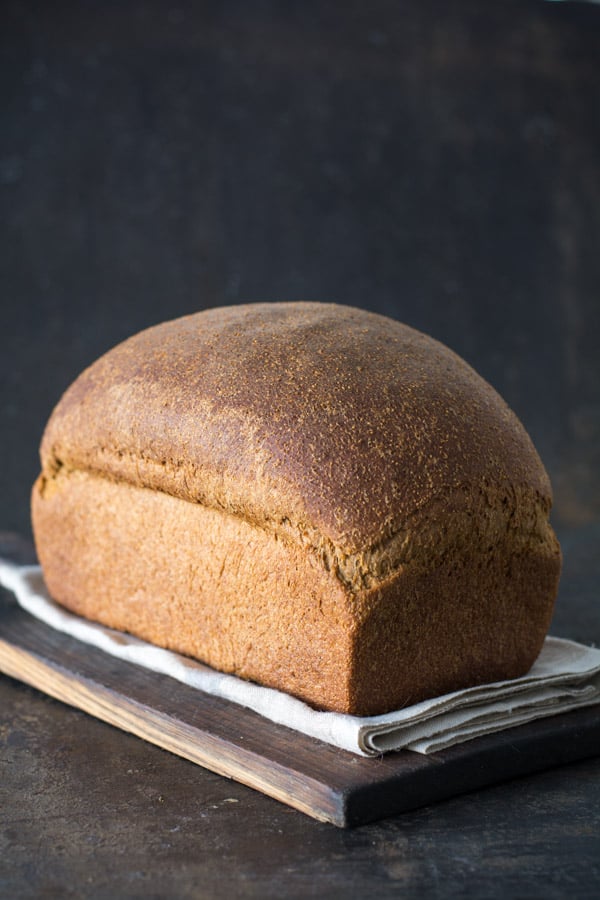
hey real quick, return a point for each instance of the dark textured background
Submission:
(436, 161)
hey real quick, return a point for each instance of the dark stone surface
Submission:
(91, 811)
(438, 162)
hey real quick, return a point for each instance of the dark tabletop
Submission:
(439, 162)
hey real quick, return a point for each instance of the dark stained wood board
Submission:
(322, 781)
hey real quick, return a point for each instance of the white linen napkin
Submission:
(566, 676)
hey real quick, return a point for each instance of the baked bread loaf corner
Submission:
(310, 496)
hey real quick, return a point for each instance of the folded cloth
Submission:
(566, 676)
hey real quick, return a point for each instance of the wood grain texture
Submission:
(321, 781)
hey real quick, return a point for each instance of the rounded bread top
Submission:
(316, 416)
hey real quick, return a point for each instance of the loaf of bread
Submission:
(310, 496)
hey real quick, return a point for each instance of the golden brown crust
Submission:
(209, 585)
(197, 581)
(311, 496)
(312, 416)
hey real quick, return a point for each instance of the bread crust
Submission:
(293, 416)
(307, 495)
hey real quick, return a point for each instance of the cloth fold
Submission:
(566, 676)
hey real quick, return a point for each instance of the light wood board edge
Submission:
(207, 750)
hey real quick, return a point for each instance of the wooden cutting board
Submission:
(329, 784)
